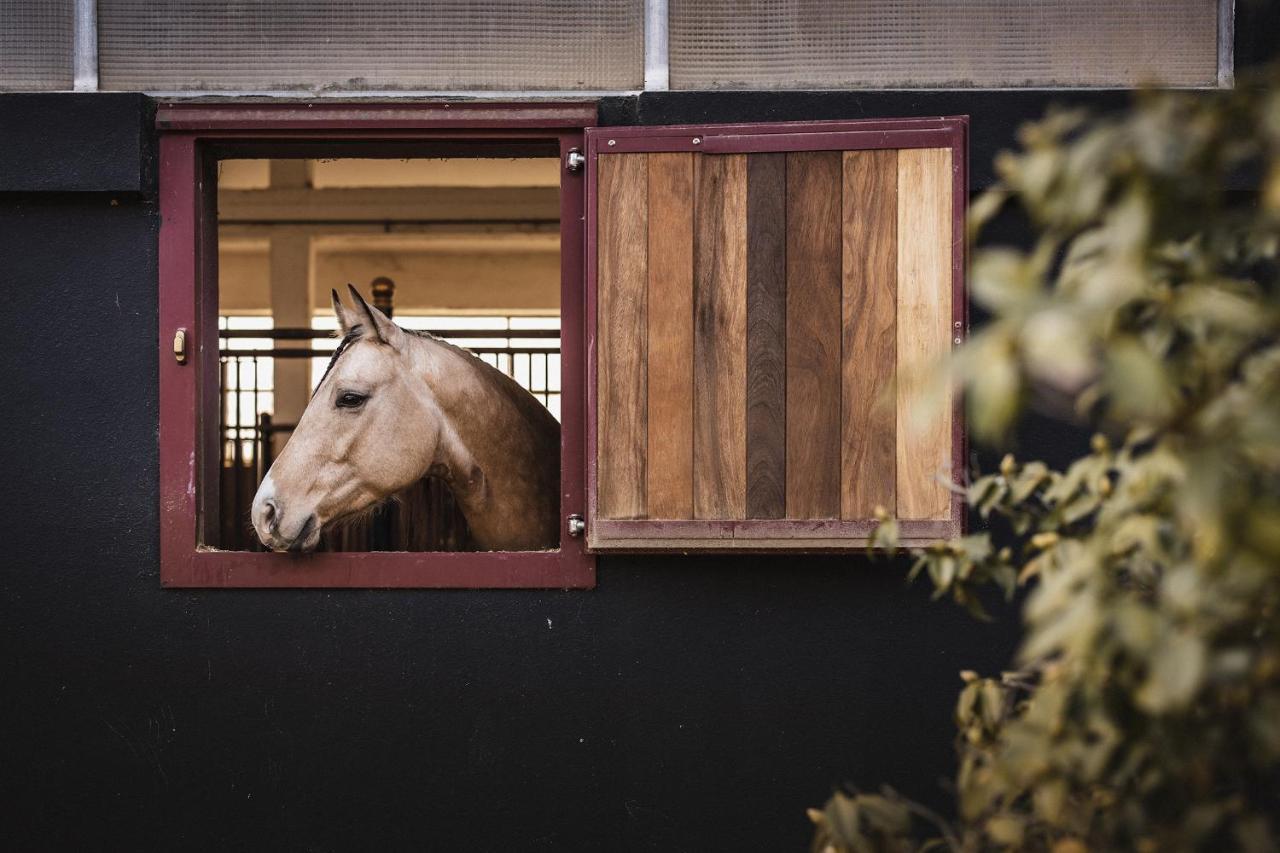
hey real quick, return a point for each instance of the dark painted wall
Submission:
(685, 704)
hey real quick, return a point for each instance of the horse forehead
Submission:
(366, 361)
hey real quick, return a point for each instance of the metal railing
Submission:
(424, 517)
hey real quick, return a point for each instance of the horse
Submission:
(395, 406)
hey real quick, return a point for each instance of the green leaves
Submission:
(1145, 713)
(1177, 671)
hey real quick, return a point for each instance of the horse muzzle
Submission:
(279, 530)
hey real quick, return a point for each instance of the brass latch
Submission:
(180, 346)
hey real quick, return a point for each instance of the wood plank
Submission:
(813, 334)
(766, 335)
(924, 309)
(869, 354)
(621, 368)
(383, 204)
(670, 422)
(719, 340)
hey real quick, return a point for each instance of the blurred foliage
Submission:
(1144, 710)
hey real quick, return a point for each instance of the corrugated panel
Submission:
(279, 45)
(35, 45)
(932, 44)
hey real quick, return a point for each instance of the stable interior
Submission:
(465, 247)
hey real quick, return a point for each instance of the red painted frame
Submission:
(192, 136)
(821, 535)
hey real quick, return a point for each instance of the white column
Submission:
(657, 73)
(84, 46)
(291, 299)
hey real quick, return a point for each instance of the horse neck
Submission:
(486, 440)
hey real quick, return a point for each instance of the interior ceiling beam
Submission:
(326, 229)
(417, 204)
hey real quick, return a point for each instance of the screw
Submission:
(613, 142)
(957, 324)
(958, 341)
(697, 140)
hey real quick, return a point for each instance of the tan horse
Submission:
(396, 406)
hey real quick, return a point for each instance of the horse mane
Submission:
(517, 393)
(353, 334)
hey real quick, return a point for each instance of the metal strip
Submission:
(84, 48)
(498, 121)
(286, 96)
(1226, 44)
(657, 47)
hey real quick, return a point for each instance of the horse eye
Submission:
(351, 400)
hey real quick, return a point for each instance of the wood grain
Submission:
(621, 369)
(924, 310)
(813, 334)
(869, 295)
(766, 335)
(719, 339)
(670, 310)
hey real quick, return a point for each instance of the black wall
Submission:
(685, 704)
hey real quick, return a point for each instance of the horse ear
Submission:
(379, 324)
(346, 318)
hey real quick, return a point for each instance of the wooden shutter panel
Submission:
(768, 310)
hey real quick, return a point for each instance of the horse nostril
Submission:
(303, 535)
(269, 513)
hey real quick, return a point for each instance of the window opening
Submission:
(290, 231)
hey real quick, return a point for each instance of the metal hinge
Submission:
(180, 346)
(575, 160)
(576, 525)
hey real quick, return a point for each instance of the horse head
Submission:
(371, 429)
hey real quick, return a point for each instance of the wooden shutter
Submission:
(769, 307)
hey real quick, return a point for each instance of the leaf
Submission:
(885, 816)
(992, 703)
(1006, 829)
(994, 393)
(1050, 800)
(983, 208)
(1069, 845)
(1058, 349)
(1177, 670)
(1002, 280)
(1032, 476)
(1138, 388)
(967, 704)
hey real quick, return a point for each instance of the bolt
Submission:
(697, 140)
(613, 142)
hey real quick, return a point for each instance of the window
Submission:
(394, 48)
(749, 314)
(35, 45)
(728, 44)
(387, 46)
(769, 303)
(233, 358)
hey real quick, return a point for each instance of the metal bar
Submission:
(657, 46)
(1226, 44)
(84, 46)
(307, 353)
(297, 334)
(522, 122)
(392, 226)
(237, 460)
(224, 367)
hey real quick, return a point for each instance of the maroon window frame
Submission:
(192, 137)
(800, 535)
